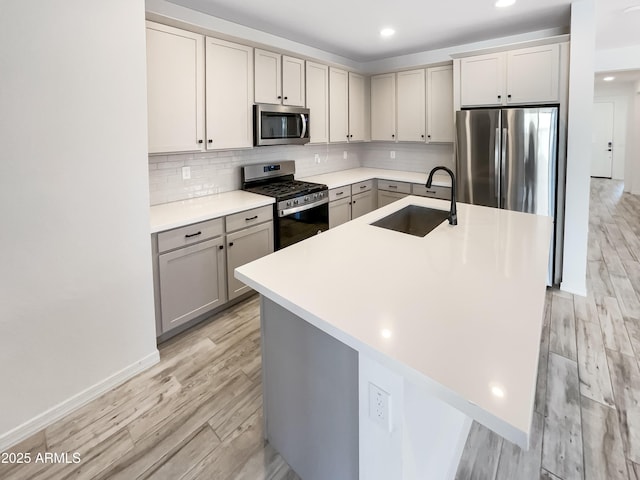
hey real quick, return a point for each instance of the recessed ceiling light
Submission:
(387, 32)
(608, 79)
(504, 3)
(635, 8)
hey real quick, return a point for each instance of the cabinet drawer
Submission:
(196, 232)
(249, 217)
(400, 187)
(361, 187)
(443, 193)
(340, 192)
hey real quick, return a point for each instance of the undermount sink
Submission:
(413, 220)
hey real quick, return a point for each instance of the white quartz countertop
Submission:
(355, 175)
(178, 214)
(458, 311)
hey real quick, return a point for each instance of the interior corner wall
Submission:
(581, 89)
(76, 290)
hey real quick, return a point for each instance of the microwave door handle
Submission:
(304, 125)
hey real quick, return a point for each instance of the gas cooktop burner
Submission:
(283, 190)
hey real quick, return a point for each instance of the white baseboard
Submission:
(57, 412)
(574, 289)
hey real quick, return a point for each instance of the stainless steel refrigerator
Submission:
(508, 158)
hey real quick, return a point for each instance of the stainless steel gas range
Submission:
(301, 209)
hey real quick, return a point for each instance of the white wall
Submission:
(581, 70)
(625, 58)
(76, 304)
(634, 144)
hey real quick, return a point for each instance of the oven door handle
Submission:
(302, 208)
(304, 125)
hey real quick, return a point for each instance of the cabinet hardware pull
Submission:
(350, 136)
(363, 186)
(499, 97)
(430, 191)
(231, 244)
(393, 186)
(508, 96)
(286, 98)
(189, 235)
(428, 136)
(199, 141)
(251, 218)
(279, 97)
(221, 247)
(354, 202)
(393, 136)
(210, 141)
(422, 136)
(339, 193)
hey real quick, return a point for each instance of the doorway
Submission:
(602, 141)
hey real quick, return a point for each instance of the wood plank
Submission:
(523, 464)
(614, 331)
(481, 453)
(545, 475)
(563, 327)
(625, 379)
(204, 442)
(562, 440)
(603, 450)
(265, 464)
(585, 308)
(634, 470)
(593, 370)
(629, 303)
(598, 279)
(225, 421)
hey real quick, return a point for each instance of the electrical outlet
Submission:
(379, 406)
(186, 173)
(317, 158)
(345, 154)
(392, 154)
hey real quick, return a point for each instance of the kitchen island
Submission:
(380, 348)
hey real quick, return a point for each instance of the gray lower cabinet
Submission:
(192, 281)
(435, 191)
(362, 203)
(339, 212)
(385, 198)
(243, 247)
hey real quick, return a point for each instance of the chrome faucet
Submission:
(453, 215)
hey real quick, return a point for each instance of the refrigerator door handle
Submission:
(503, 157)
(496, 165)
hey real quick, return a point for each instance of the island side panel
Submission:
(310, 387)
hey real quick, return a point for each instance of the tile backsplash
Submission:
(216, 172)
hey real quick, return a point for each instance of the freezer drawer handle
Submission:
(251, 218)
(189, 235)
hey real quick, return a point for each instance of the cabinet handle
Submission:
(430, 191)
(353, 203)
(231, 244)
(200, 141)
(251, 218)
(508, 96)
(393, 135)
(189, 235)
(286, 98)
(499, 97)
(221, 247)
(393, 186)
(279, 97)
(362, 186)
(210, 141)
(339, 193)
(350, 136)
(428, 136)
(421, 136)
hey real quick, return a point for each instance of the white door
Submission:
(602, 144)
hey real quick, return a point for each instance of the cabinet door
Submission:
(318, 102)
(533, 75)
(482, 80)
(385, 198)
(292, 81)
(192, 282)
(339, 212)
(383, 107)
(338, 105)
(243, 247)
(267, 77)
(411, 106)
(229, 83)
(363, 203)
(175, 89)
(440, 104)
(356, 108)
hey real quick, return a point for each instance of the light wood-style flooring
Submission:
(198, 413)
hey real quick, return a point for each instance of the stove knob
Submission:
(306, 199)
(315, 195)
(295, 202)
(288, 204)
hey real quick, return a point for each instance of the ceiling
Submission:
(350, 28)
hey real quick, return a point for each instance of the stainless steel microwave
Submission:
(280, 125)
